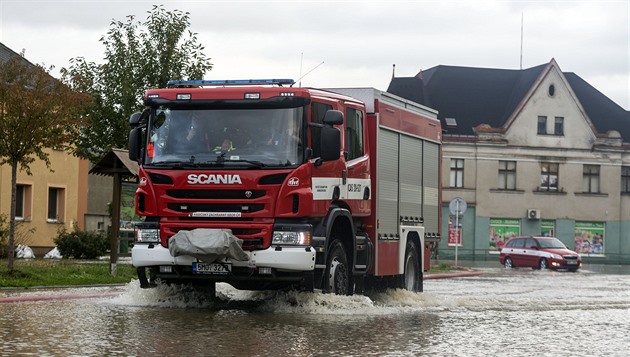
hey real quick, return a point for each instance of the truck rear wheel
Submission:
(338, 275)
(412, 276)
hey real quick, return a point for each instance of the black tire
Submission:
(542, 264)
(338, 276)
(508, 263)
(412, 278)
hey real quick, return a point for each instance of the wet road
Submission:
(519, 312)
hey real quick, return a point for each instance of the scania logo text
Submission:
(212, 179)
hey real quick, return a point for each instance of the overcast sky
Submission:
(350, 43)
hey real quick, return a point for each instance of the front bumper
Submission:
(565, 264)
(297, 259)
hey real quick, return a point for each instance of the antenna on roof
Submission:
(394, 71)
(305, 74)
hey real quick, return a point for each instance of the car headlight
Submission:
(147, 235)
(291, 238)
(557, 257)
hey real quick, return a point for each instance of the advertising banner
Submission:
(589, 238)
(502, 229)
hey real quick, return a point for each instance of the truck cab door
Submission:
(327, 171)
(355, 185)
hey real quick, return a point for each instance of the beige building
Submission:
(46, 200)
(532, 152)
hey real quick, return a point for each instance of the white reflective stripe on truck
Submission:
(323, 188)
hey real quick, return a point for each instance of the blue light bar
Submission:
(228, 82)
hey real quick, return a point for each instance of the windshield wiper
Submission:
(251, 162)
(174, 164)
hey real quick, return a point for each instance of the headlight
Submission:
(557, 257)
(291, 238)
(147, 235)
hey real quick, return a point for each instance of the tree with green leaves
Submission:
(37, 112)
(138, 56)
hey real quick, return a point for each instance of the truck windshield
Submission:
(234, 137)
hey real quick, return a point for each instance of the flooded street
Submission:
(519, 312)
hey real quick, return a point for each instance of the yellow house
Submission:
(46, 200)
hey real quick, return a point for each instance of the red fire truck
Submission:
(264, 185)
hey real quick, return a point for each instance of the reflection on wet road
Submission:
(520, 312)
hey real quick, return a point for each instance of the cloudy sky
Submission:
(351, 43)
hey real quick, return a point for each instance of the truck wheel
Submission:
(338, 275)
(412, 268)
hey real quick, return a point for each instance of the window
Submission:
(354, 133)
(56, 204)
(558, 128)
(590, 179)
(549, 177)
(625, 179)
(516, 243)
(318, 110)
(507, 175)
(22, 202)
(530, 243)
(542, 125)
(457, 173)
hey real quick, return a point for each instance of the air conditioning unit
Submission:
(533, 213)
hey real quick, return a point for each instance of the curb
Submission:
(462, 274)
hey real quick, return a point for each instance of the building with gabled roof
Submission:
(46, 200)
(533, 151)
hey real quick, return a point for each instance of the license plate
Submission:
(571, 262)
(211, 268)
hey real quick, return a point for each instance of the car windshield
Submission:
(551, 243)
(228, 137)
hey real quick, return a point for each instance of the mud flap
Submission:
(142, 277)
(308, 283)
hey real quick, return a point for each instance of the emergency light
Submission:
(228, 82)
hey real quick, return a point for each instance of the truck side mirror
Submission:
(330, 140)
(330, 143)
(135, 136)
(134, 119)
(333, 117)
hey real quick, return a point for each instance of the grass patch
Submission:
(444, 268)
(60, 272)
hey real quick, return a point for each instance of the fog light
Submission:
(264, 271)
(166, 269)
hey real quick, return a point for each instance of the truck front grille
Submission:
(215, 194)
(215, 207)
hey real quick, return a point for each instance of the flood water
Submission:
(518, 312)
